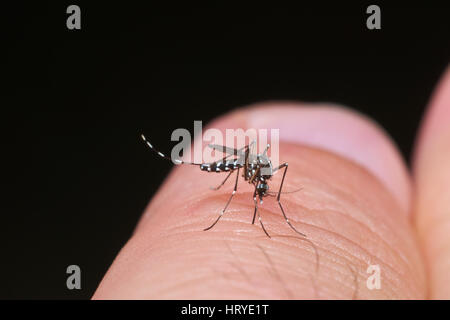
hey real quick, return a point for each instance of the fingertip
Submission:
(346, 212)
(431, 173)
(435, 128)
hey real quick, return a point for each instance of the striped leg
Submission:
(259, 216)
(285, 166)
(223, 182)
(229, 200)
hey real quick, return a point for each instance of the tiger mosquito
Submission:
(252, 166)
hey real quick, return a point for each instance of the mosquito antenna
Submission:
(162, 155)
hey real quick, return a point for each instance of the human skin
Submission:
(358, 206)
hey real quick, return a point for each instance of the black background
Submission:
(77, 101)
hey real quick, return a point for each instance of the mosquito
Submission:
(257, 170)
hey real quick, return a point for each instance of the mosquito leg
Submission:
(259, 217)
(285, 166)
(254, 214)
(253, 177)
(223, 182)
(226, 206)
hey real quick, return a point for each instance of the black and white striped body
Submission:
(222, 166)
(257, 169)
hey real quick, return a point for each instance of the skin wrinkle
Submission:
(355, 277)
(354, 217)
(344, 203)
(180, 223)
(362, 225)
(275, 273)
(237, 265)
(357, 199)
(370, 260)
(341, 282)
(337, 266)
(194, 250)
(186, 283)
(289, 246)
(316, 252)
(316, 257)
(340, 270)
(277, 276)
(316, 290)
(359, 223)
(241, 271)
(367, 254)
(286, 271)
(330, 251)
(237, 284)
(183, 231)
(169, 288)
(341, 279)
(347, 252)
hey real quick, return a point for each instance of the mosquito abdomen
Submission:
(221, 166)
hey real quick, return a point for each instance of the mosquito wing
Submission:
(240, 154)
(227, 150)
